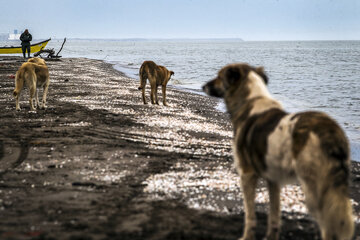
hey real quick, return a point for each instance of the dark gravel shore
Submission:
(98, 164)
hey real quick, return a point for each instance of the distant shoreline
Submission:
(183, 40)
(201, 39)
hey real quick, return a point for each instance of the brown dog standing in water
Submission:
(157, 75)
(281, 147)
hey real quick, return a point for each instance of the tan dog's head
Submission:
(233, 78)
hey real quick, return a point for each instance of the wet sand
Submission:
(98, 164)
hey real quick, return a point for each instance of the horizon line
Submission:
(196, 38)
(189, 39)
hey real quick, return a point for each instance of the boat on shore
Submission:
(36, 47)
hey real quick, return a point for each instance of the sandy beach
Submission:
(98, 164)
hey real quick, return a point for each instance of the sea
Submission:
(303, 75)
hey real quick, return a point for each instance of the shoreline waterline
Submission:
(354, 146)
(304, 75)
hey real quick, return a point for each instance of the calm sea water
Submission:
(303, 75)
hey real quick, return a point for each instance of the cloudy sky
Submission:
(246, 19)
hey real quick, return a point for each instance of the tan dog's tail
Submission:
(19, 83)
(143, 77)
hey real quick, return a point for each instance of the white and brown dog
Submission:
(280, 147)
(34, 73)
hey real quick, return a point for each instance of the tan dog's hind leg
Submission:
(152, 93)
(143, 78)
(164, 95)
(331, 208)
(248, 184)
(156, 95)
(143, 95)
(32, 93)
(30, 79)
(274, 213)
(37, 105)
(17, 98)
(46, 87)
(326, 191)
(19, 83)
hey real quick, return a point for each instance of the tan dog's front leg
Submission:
(248, 183)
(164, 94)
(274, 213)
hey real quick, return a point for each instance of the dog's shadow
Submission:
(171, 219)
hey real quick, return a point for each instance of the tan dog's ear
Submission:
(261, 72)
(172, 73)
(232, 74)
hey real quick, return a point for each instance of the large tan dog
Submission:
(158, 76)
(33, 73)
(280, 147)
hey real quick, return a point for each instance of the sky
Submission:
(251, 20)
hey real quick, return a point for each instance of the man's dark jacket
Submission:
(25, 39)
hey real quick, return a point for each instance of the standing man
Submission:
(25, 42)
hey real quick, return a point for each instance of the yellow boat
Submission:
(33, 48)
